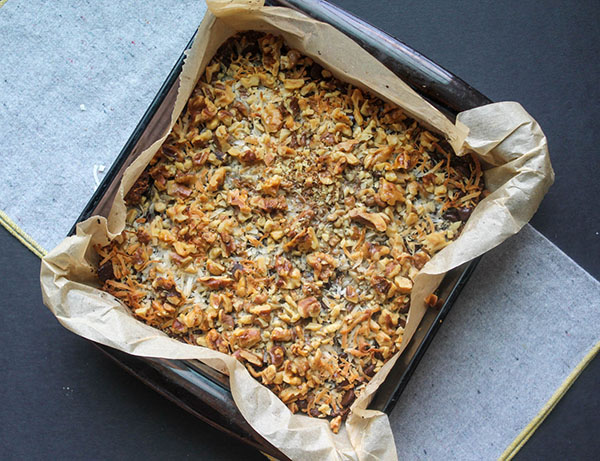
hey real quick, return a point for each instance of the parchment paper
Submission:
(509, 142)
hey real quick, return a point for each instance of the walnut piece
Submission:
(309, 307)
(375, 220)
(217, 179)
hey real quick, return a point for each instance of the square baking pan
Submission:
(198, 388)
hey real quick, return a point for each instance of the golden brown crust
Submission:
(283, 222)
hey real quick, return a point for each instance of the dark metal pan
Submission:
(198, 388)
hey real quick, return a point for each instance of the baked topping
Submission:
(284, 221)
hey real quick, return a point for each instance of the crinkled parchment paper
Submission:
(508, 141)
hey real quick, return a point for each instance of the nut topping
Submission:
(283, 222)
(375, 220)
(309, 307)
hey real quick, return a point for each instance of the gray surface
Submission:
(515, 349)
(526, 318)
(109, 56)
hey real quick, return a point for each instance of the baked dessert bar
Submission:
(283, 222)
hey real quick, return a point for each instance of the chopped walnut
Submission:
(276, 356)
(249, 357)
(284, 220)
(217, 179)
(390, 193)
(238, 198)
(335, 424)
(214, 268)
(215, 341)
(404, 284)
(323, 265)
(431, 300)
(420, 259)
(304, 241)
(216, 283)
(271, 204)
(280, 334)
(375, 220)
(271, 117)
(247, 337)
(435, 241)
(271, 185)
(309, 307)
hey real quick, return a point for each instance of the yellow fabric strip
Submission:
(508, 454)
(526, 433)
(2, 2)
(19, 233)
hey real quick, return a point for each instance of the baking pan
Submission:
(198, 388)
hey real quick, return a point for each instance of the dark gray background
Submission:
(61, 399)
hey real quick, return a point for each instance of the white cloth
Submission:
(74, 82)
(525, 319)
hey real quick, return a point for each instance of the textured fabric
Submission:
(526, 318)
(75, 82)
(75, 79)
